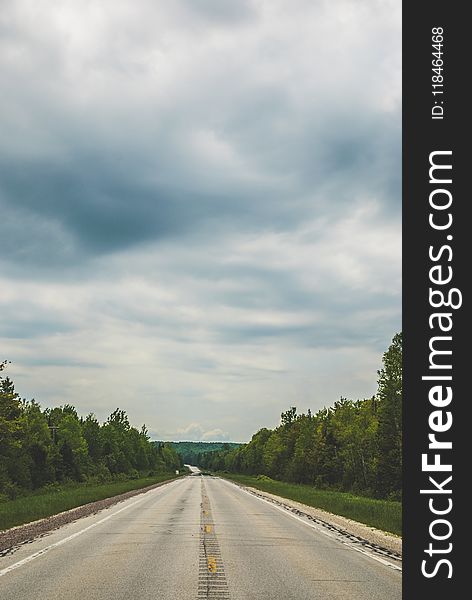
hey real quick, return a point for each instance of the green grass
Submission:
(46, 503)
(382, 514)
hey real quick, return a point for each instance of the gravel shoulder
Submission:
(374, 537)
(23, 534)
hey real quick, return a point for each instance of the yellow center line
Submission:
(211, 564)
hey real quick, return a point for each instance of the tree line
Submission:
(190, 451)
(55, 445)
(351, 446)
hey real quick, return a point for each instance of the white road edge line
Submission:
(319, 528)
(31, 557)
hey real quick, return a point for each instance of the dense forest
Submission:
(351, 446)
(40, 447)
(190, 451)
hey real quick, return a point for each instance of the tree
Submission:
(91, 433)
(14, 470)
(37, 444)
(389, 432)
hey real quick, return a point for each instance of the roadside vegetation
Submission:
(385, 515)
(52, 459)
(57, 498)
(352, 446)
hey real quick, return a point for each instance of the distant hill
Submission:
(190, 451)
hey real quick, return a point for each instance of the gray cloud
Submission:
(205, 194)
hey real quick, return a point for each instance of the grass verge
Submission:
(46, 503)
(382, 514)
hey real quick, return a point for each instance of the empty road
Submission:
(194, 538)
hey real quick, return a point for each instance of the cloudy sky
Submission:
(199, 206)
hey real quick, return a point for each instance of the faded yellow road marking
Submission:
(211, 564)
(208, 528)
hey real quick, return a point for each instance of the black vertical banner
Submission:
(435, 305)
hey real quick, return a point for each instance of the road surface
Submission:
(195, 538)
(193, 470)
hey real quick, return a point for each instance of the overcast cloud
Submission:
(200, 206)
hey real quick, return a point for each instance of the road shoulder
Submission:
(23, 534)
(374, 537)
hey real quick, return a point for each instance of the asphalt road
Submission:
(197, 537)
